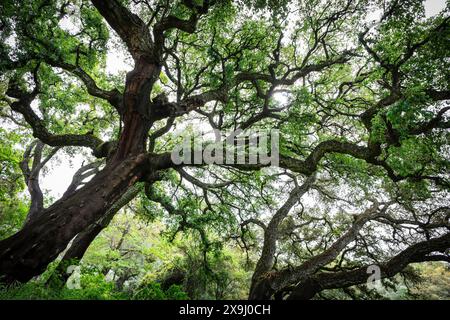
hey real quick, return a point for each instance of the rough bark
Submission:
(268, 284)
(33, 154)
(418, 252)
(265, 262)
(28, 252)
(82, 241)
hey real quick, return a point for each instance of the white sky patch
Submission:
(60, 175)
(117, 60)
(282, 98)
(433, 7)
(68, 24)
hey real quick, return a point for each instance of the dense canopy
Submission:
(358, 91)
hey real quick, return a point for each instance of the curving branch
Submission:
(162, 109)
(257, 222)
(173, 22)
(130, 28)
(419, 252)
(23, 106)
(266, 285)
(81, 242)
(114, 97)
(201, 184)
(271, 234)
(435, 122)
(153, 195)
(33, 154)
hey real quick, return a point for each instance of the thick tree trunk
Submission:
(73, 255)
(136, 109)
(28, 252)
(82, 241)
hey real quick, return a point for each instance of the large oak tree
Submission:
(359, 90)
